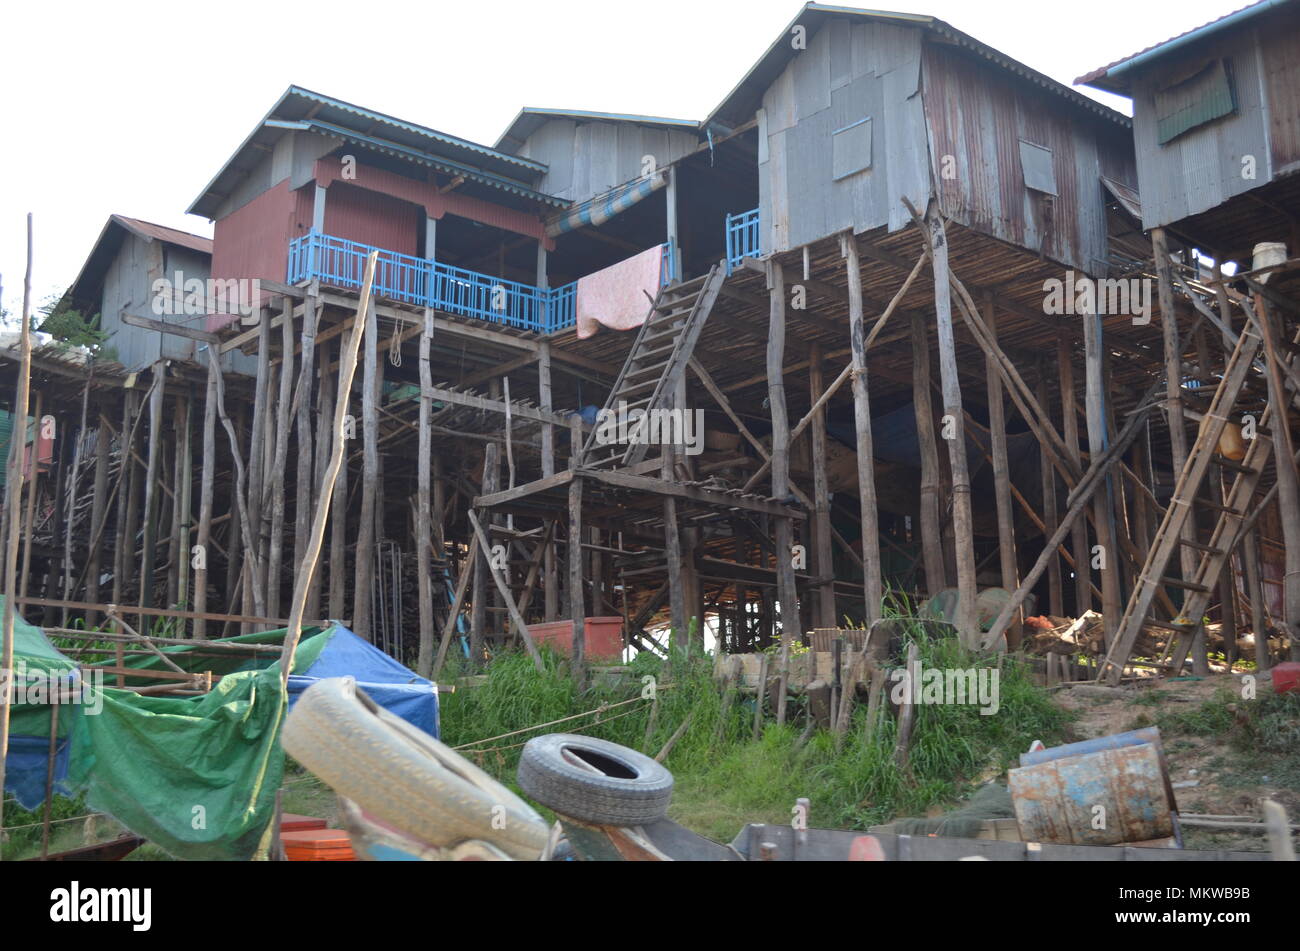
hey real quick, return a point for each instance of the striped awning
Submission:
(600, 209)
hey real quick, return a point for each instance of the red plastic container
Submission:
(1286, 677)
(604, 637)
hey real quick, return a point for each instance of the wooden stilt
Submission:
(930, 526)
(364, 568)
(823, 563)
(32, 480)
(963, 530)
(576, 599)
(424, 517)
(550, 581)
(1007, 559)
(1070, 433)
(98, 514)
(283, 433)
(1103, 520)
(785, 580)
(207, 484)
(872, 583)
(303, 482)
(1047, 474)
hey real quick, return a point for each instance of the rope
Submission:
(577, 729)
(577, 716)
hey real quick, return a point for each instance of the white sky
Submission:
(131, 107)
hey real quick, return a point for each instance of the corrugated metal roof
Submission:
(297, 105)
(150, 231)
(530, 118)
(742, 102)
(1113, 78)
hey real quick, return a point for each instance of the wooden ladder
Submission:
(655, 364)
(1174, 526)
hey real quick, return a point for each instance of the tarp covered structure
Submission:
(195, 775)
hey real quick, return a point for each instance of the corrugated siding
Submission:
(588, 158)
(1281, 55)
(849, 72)
(372, 218)
(979, 116)
(253, 242)
(128, 287)
(1203, 167)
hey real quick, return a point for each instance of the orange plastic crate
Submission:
(318, 845)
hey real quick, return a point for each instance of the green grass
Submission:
(725, 779)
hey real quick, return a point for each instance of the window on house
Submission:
(1196, 96)
(1036, 165)
(851, 149)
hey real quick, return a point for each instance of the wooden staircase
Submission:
(656, 362)
(1178, 529)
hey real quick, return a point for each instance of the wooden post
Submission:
(13, 493)
(950, 382)
(478, 607)
(785, 580)
(1047, 473)
(207, 482)
(303, 477)
(29, 511)
(1111, 607)
(184, 500)
(1255, 588)
(673, 556)
(872, 585)
(930, 526)
(1173, 385)
(424, 519)
(98, 507)
(824, 562)
(1007, 559)
(153, 461)
(364, 569)
(255, 585)
(551, 580)
(1070, 434)
(576, 598)
(280, 461)
(339, 505)
(1288, 479)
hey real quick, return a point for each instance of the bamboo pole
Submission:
(347, 368)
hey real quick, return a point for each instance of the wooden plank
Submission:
(179, 330)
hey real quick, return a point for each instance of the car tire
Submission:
(630, 788)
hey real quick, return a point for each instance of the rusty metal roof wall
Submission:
(980, 118)
(740, 104)
(1116, 77)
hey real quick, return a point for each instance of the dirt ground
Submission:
(1212, 770)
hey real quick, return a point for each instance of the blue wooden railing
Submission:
(742, 238)
(454, 290)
